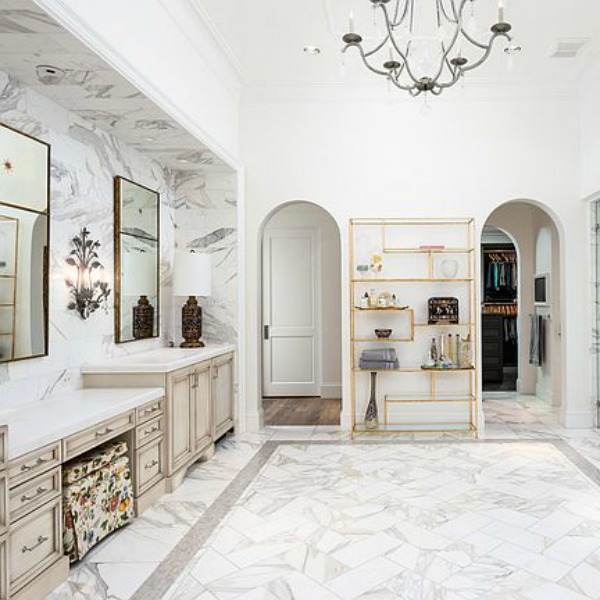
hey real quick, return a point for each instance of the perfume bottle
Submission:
(433, 351)
(364, 301)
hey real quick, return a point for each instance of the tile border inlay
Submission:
(165, 575)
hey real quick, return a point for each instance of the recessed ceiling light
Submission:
(183, 160)
(50, 75)
(149, 139)
(313, 50)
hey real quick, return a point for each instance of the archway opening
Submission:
(521, 315)
(301, 320)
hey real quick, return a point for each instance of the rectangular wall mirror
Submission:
(24, 240)
(137, 261)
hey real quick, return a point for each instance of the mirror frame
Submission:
(118, 180)
(46, 257)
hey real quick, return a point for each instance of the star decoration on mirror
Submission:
(7, 165)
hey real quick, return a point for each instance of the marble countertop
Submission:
(37, 424)
(163, 360)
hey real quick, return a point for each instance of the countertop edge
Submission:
(144, 395)
(154, 367)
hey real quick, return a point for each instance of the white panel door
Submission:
(290, 313)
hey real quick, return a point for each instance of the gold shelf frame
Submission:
(469, 397)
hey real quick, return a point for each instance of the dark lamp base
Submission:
(191, 324)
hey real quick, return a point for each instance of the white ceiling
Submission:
(92, 89)
(266, 37)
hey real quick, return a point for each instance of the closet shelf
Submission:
(417, 280)
(407, 398)
(415, 370)
(428, 250)
(458, 427)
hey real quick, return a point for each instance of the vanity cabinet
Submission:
(201, 405)
(180, 391)
(222, 394)
(3, 517)
(199, 402)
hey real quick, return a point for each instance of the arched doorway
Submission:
(301, 320)
(521, 315)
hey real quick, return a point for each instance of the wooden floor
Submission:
(302, 411)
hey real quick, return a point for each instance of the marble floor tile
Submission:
(333, 517)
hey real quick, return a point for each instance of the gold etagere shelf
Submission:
(436, 396)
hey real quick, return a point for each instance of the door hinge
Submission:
(267, 333)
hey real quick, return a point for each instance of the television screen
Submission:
(540, 291)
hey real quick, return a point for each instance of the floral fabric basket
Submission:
(97, 498)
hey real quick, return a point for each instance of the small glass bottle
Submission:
(433, 351)
(364, 300)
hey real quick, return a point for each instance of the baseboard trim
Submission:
(331, 390)
(254, 421)
(579, 419)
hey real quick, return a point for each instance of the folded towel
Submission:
(385, 354)
(379, 365)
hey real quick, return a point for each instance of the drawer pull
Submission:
(103, 433)
(40, 541)
(151, 410)
(149, 431)
(38, 492)
(151, 464)
(39, 462)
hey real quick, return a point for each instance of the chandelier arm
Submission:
(472, 40)
(446, 52)
(397, 22)
(378, 47)
(404, 88)
(364, 59)
(487, 52)
(445, 12)
(395, 45)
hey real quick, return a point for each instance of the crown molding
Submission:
(196, 25)
(220, 41)
(71, 21)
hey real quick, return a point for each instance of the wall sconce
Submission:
(90, 288)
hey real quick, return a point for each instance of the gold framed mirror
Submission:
(137, 261)
(24, 243)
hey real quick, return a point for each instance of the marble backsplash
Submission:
(84, 161)
(206, 221)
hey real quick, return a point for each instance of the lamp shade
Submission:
(139, 274)
(192, 275)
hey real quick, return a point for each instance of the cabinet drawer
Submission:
(32, 494)
(33, 464)
(35, 543)
(3, 448)
(149, 431)
(150, 411)
(3, 567)
(3, 505)
(94, 436)
(149, 465)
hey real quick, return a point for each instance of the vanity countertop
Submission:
(36, 424)
(162, 360)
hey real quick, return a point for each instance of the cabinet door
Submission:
(179, 393)
(202, 407)
(222, 394)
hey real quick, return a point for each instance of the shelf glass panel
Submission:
(417, 428)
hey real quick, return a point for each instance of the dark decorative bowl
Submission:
(383, 333)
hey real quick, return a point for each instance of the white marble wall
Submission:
(83, 164)
(206, 220)
(595, 299)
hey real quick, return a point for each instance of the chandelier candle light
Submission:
(417, 63)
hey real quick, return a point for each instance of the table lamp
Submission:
(192, 277)
(140, 270)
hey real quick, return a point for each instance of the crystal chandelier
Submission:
(418, 63)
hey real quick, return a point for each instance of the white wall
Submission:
(589, 95)
(367, 158)
(164, 48)
(305, 215)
